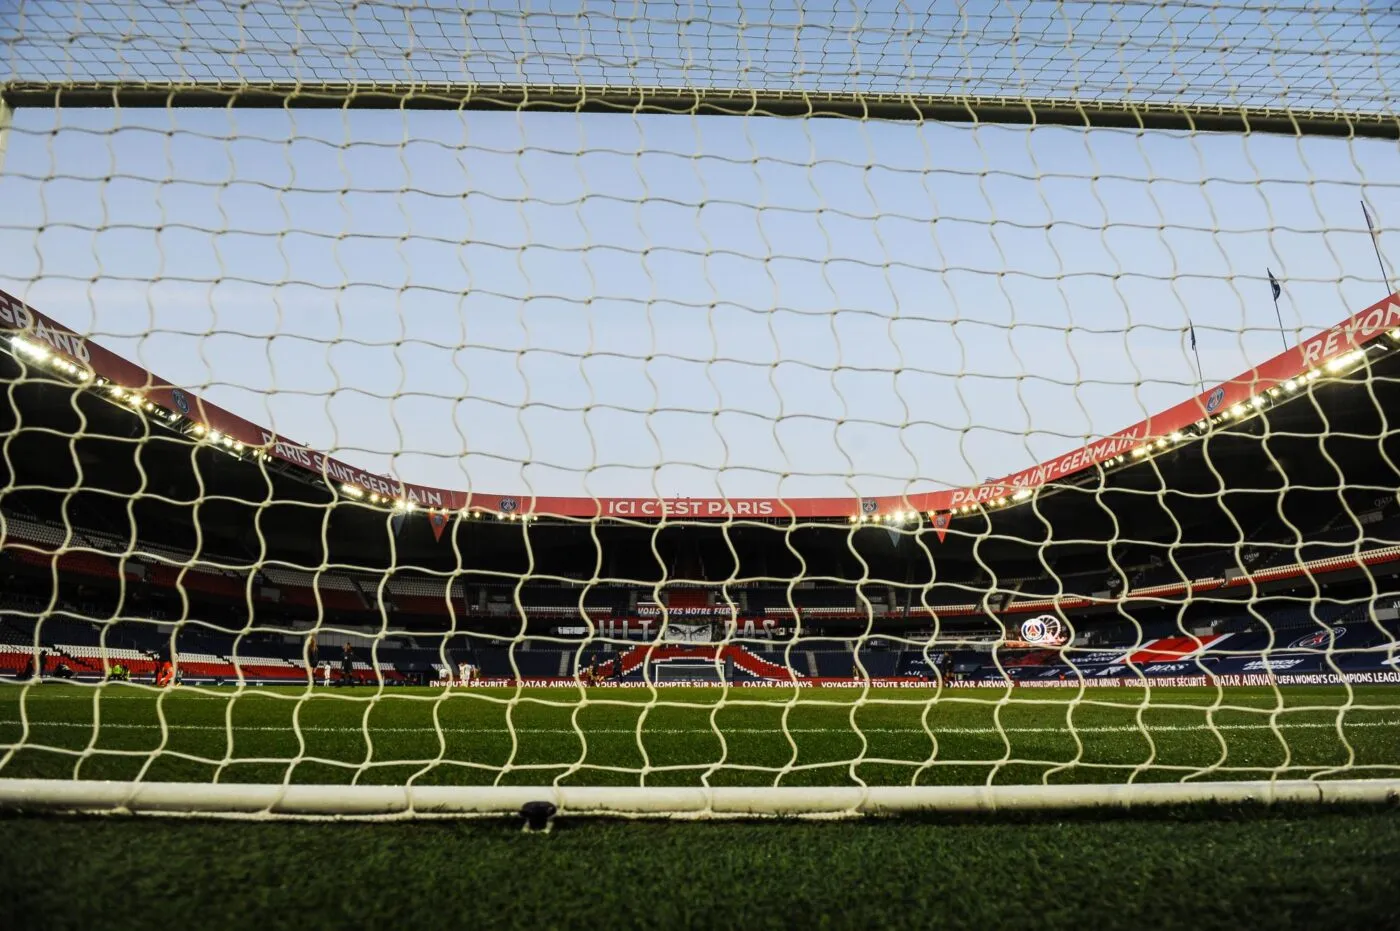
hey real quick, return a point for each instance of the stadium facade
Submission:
(1249, 535)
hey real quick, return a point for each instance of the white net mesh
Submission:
(383, 408)
(1337, 56)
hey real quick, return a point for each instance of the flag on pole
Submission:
(1193, 335)
(1273, 283)
(1369, 225)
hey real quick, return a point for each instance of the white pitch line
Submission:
(974, 731)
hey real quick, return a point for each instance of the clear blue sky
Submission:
(869, 307)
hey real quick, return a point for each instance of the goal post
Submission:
(423, 412)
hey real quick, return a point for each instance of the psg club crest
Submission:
(1044, 629)
(508, 505)
(181, 400)
(1213, 399)
(869, 506)
(1319, 639)
(940, 524)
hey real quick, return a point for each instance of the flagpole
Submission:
(1375, 244)
(1273, 284)
(1200, 373)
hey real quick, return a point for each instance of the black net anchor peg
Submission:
(538, 817)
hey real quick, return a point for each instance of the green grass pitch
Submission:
(1196, 867)
(693, 736)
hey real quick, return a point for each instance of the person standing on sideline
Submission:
(347, 665)
(312, 654)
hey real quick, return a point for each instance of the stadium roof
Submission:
(1331, 352)
(1342, 348)
(1290, 480)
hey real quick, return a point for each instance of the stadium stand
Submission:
(103, 574)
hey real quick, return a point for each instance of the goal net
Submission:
(704, 410)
